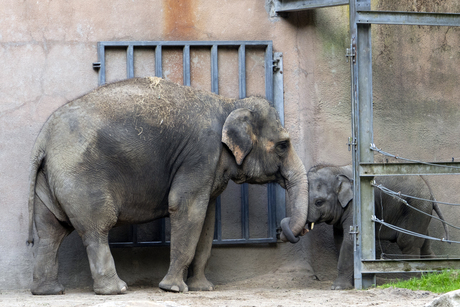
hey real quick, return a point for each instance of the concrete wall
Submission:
(47, 48)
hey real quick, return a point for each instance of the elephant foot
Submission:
(110, 287)
(340, 285)
(199, 284)
(169, 284)
(54, 288)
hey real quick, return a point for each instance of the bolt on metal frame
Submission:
(273, 62)
(364, 168)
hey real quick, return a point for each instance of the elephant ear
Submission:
(344, 190)
(237, 132)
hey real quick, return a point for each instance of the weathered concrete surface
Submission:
(47, 48)
(450, 299)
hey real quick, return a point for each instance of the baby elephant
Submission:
(330, 192)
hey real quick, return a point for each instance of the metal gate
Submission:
(275, 208)
(364, 168)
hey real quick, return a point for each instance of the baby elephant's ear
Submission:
(237, 133)
(344, 190)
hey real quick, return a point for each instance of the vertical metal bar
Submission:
(130, 62)
(366, 138)
(186, 65)
(271, 189)
(163, 230)
(278, 100)
(218, 223)
(355, 151)
(245, 211)
(271, 210)
(278, 86)
(159, 61)
(129, 75)
(159, 73)
(269, 73)
(242, 71)
(362, 134)
(215, 89)
(134, 239)
(214, 70)
(244, 186)
(101, 59)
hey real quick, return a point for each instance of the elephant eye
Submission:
(319, 202)
(282, 146)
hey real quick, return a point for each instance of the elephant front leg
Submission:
(345, 265)
(197, 280)
(187, 220)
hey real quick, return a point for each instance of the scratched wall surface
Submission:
(47, 48)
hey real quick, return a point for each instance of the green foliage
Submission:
(437, 282)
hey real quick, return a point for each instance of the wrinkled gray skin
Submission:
(143, 149)
(330, 196)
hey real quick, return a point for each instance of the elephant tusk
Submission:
(312, 226)
(304, 231)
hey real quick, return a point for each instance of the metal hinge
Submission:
(276, 66)
(351, 52)
(354, 231)
(351, 142)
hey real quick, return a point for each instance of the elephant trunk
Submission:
(297, 190)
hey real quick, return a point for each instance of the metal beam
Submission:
(395, 169)
(182, 43)
(408, 18)
(130, 62)
(362, 115)
(285, 6)
(159, 61)
(278, 101)
(409, 265)
(186, 65)
(214, 70)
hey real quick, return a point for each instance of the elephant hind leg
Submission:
(410, 245)
(102, 265)
(426, 251)
(95, 235)
(51, 233)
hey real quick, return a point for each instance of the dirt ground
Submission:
(279, 290)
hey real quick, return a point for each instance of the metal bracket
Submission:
(351, 142)
(97, 65)
(276, 65)
(354, 231)
(351, 52)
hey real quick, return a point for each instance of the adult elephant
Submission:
(330, 190)
(143, 149)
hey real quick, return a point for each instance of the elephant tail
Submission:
(37, 159)
(439, 213)
(436, 209)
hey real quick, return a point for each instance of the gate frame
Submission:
(273, 62)
(364, 169)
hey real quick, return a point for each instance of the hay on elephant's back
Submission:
(155, 100)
